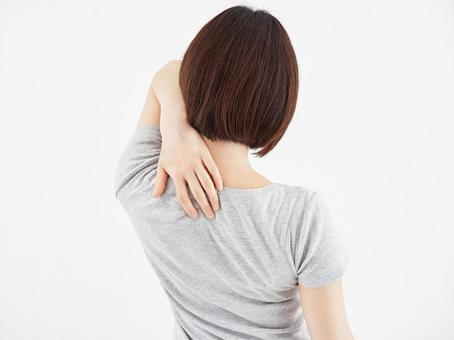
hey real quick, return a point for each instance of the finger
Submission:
(213, 170)
(208, 186)
(183, 198)
(160, 182)
(199, 194)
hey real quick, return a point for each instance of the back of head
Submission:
(239, 79)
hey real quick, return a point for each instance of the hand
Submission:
(186, 159)
(184, 156)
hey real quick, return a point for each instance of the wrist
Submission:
(173, 122)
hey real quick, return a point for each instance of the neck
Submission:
(232, 160)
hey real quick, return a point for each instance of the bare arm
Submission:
(184, 156)
(324, 311)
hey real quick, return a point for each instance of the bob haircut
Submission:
(239, 79)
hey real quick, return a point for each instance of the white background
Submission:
(373, 133)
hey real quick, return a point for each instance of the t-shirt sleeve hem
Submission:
(326, 279)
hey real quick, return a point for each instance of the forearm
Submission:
(172, 121)
(151, 112)
(168, 113)
(166, 88)
(184, 156)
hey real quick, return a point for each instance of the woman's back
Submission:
(235, 276)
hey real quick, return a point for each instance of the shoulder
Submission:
(309, 205)
(291, 204)
(301, 194)
(303, 207)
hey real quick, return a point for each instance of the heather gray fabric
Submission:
(235, 276)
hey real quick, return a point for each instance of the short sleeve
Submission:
(139, 160)
(321, 256)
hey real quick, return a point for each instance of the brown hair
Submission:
(239, 79)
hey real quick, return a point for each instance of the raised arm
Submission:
(184, 156)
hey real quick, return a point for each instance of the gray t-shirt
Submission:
(235, 276)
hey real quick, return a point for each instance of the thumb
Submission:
(160, 182)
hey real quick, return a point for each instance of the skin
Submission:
(206, 166)
(184, 156)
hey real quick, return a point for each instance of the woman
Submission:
(266, 262)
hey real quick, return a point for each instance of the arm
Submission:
(324, 311)
(321, 260)
(184, 156)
